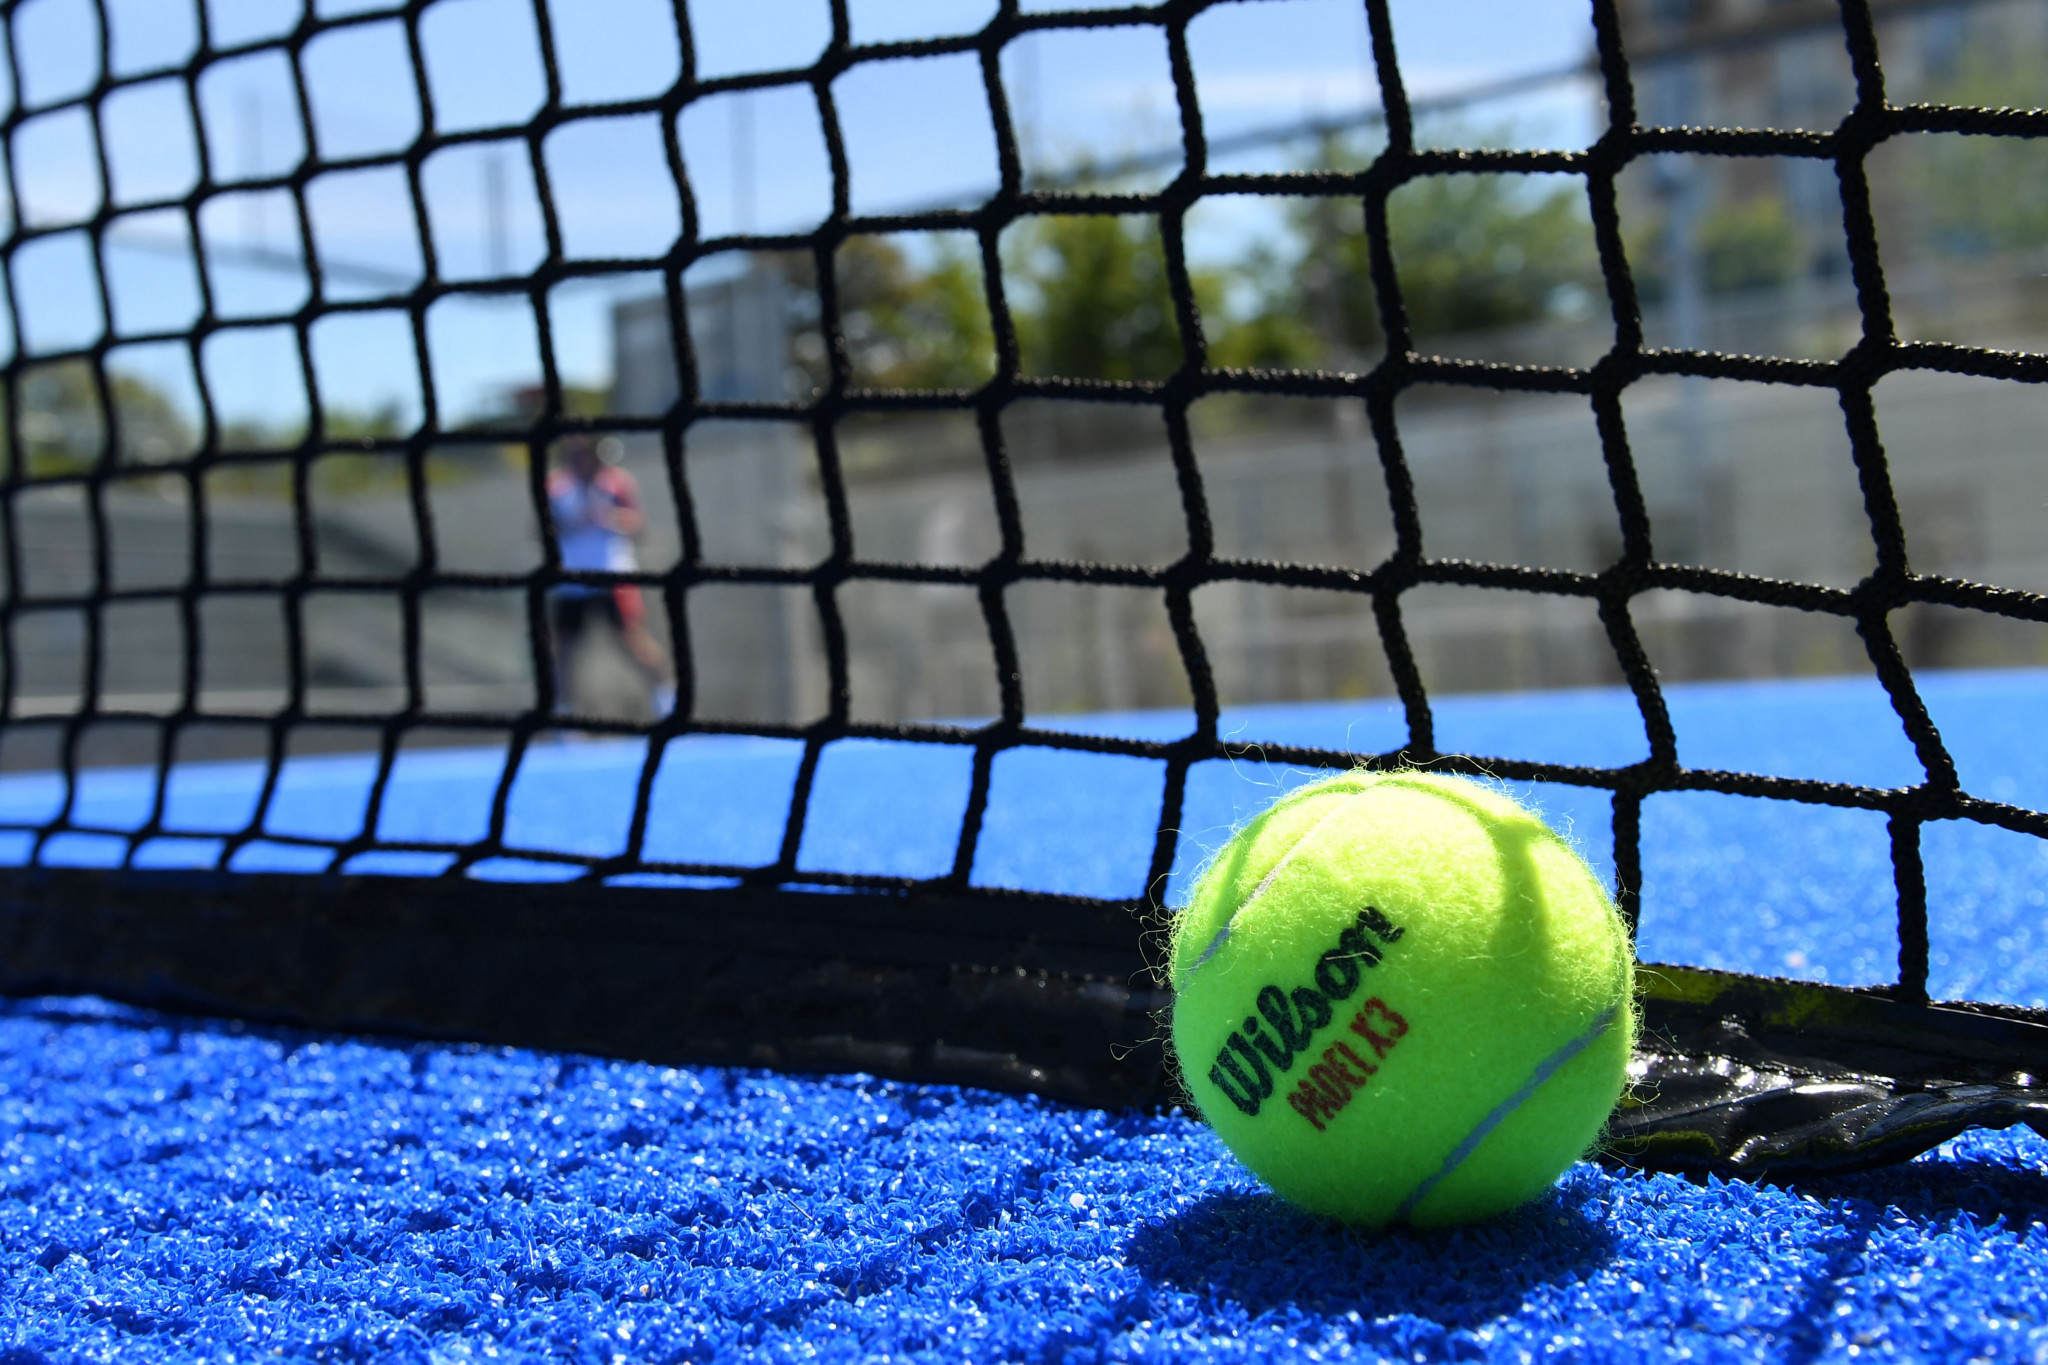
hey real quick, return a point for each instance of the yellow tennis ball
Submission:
(1402, 997)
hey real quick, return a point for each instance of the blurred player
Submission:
(596, 509)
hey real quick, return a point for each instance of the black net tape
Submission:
(946, 958)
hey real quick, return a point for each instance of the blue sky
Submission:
(917, 132)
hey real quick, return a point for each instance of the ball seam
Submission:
(1222, 935)
(1498, 1115)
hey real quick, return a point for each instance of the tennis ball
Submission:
(1402, 997)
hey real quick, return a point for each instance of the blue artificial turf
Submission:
(176, 1189)
(182, 1191)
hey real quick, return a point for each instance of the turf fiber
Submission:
(185, 1189)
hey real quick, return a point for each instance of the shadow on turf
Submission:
(1983, 1187)
(1930, 1192)
(1259, 1252)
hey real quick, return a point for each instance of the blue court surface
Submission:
(185, 1189)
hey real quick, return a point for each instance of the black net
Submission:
(905, 974)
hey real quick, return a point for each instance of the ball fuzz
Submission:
(1402, 997)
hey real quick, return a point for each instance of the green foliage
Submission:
(1984, 194)
(1268, 338)
(914, 328)
(1958, 194)
(63, 429)
(1977, 194)
(1471, 252)
(1332, 288)
(907, 324)
(1089, 293)
(378, 424)
(248, 437)
(577, 401)
(1750, 245)
(1090, 298)
(271, 479)
(1479, 251)
(342, 476)
(152, 428)
(1091, 301)
(1269, 328)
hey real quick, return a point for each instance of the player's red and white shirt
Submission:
(584, 515)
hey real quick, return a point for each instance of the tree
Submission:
(1975, 194)
(912, 327)
(1481, 251)
(1750, 244)
(1753, 245)
(908, 324)
(381, 423)
(64, 429)
(1089, 295)
(1090, 300)
(1474, 252)
(1471, 252)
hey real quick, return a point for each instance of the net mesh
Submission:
(1870, 605)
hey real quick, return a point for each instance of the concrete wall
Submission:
(1753, 478)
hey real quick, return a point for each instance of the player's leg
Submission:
(567, 617)
(629, 610)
